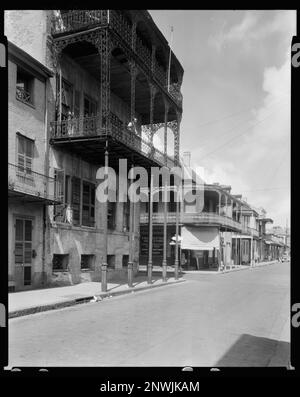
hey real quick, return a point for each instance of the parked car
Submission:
(285, 258)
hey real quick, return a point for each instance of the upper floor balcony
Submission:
(142, 38)
(86, 136)
(250, 231)
(200, 219)
(27, 185)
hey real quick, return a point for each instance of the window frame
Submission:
(91, 102)
(29, 82)
(91, 204)
(25, 170)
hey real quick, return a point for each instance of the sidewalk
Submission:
(228, 270)
(28, 302)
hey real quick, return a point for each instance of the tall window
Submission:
(25, 154)
(90, 106)
(66, 99)
(77, 104)
(88, 204)
(75, 201)
(59, 183)
(24, 86)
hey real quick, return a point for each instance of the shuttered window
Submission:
(23, 241)
(88, 204)
(25, 154)
(75, 201)
(59, 186)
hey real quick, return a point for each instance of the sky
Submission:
(236, 99)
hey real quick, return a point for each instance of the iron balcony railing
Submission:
(76, 20)
(250, 231)
(91, 126)
(26, 182)
(23, 95)
(192, 218)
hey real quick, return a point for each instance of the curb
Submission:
(230, 270)
(251, 267)
(86, 299)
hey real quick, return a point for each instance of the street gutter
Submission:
(86, 299)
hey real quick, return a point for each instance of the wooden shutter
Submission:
(25, 154)
(75, 200)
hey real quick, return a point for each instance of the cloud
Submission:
(253, 28)
(258, 161)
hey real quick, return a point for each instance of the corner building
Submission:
(109, 94)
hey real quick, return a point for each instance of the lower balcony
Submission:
(29, 186)
(201, 219)
(250, 231)
(86, 137)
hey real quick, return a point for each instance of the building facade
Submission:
(31, 190)
(108, 94)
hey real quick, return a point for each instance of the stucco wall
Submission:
(28, 30)
(26, 119)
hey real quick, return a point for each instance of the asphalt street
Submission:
(231, 319)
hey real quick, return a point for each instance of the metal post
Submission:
(131, 231)
(241, 240)
(104, 264)
(150, 230)
(164, 262)
(176, 231)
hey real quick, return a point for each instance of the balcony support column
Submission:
(133, 73)
(104, 48)
(164, 262)
(131, 240)
(176, 270)
(133, 34)
(251, 251)
(176, 132)
(153, 58)
(236, 252)
(105, 214)
(219, 203)
(150, 228)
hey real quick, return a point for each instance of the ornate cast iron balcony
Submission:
(75, 20)
(32, 186)
(204, 218)
(80, 20)
(91, 127)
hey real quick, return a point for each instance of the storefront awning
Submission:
(200, 238)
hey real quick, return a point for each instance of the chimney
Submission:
(187, 159)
